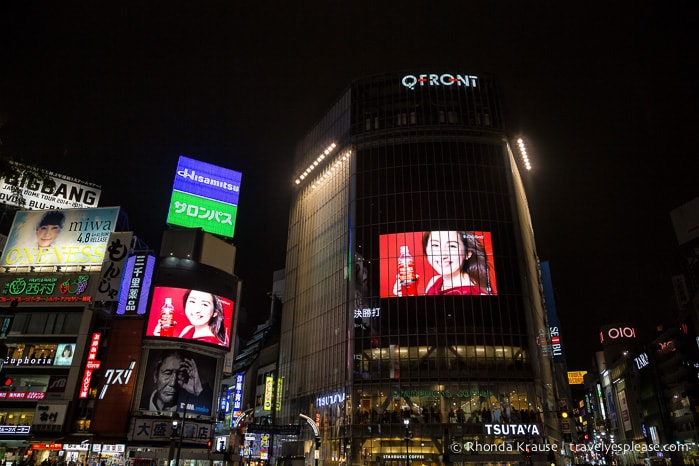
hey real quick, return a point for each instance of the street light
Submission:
(177, 434)
(406, 421)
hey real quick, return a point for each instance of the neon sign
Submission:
(511, 429)
(411, 81)
(116, 377)
(46, 288)
(92, 364)
(615, 333)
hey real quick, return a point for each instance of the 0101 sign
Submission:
(613, 334)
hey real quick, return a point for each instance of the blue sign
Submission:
(208, 181)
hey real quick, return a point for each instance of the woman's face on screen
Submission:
(445, 252)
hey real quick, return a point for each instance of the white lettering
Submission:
(411, 81)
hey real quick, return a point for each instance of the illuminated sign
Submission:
(367, 313)
(116, 377)
(22, 395)
(13, 430)
(59, 237)
(280, 382)
(61, 192)
(113, 267)
(238, 395)
(192, 315)
(204, 196)
(91, 358)
(135, 285)
(45, 288)
(186, 397)
(615, 333)
(28, 361)
(269, 392)
(330, 400)
(556, 347)
(641, 361)
(64, 354)
(576, 377)
(436, 263)
(511, 429)
(461, 80)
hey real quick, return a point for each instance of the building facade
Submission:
(413, 323)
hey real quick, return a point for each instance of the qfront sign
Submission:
(412, 81)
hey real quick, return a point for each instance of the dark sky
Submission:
(604, 93)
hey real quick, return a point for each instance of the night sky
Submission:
(604, 94)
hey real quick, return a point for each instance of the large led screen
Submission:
(191, 315)
(204, 196)
(178, 380)
(434, 263)
(59, 237)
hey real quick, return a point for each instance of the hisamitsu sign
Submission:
(204, 196)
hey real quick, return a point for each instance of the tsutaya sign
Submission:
(511, 429)
(462, 80)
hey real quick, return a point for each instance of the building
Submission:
(388, 361)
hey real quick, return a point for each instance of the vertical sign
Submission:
(91, 365)
(135, 285)
(269, 390)
(113, 266)
(238, 396)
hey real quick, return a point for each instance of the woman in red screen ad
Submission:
(202, 316)
(205, 314)
(460, 261)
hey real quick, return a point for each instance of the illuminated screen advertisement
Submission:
(190, 315)
(204, 196)
(175, 380)
(433, 263)
(53, 192)
(59, 237)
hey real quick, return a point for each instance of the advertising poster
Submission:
(437, 263)
(204, 196)
(24, 189)
(192, 315)
(178, 380)
(59, 237)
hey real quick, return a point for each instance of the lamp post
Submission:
(406, 422)
(176, 435)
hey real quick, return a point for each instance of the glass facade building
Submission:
(413, 320)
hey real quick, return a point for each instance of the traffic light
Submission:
(564, 414)
(208, 445)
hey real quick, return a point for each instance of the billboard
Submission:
(59, 237)
(53, 192)
(425, 263)
(175, 380)
(135, 284)
(204, 196)
(55, 287)
(192, 315)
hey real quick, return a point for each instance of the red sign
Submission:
(92, 364)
